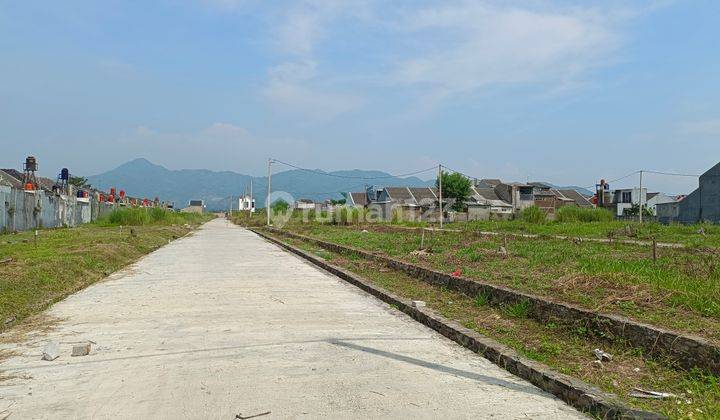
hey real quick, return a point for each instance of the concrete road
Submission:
(222, 323)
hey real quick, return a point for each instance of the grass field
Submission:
(680, 290)
(567, 350)
(37, 273)
(684, 234)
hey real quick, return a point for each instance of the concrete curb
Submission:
(572, 391)
(687, 350)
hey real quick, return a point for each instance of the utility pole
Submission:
(641, 197)
(440, 191)
(267, 205)
(251, 199)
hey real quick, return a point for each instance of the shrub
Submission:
(533, 214)
(567, 214)
(145, 216)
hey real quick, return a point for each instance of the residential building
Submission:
(246, 203)
(304, 204)
(519, 195)
(703, 204)
(484, 204)
(654, 199)
(194, 206)
(625, 199)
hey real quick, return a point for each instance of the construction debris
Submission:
(6, 260)
(81, 350)
(602, 356)
(420, 253)
(9, 320)
(503, 251)
(418, 304)
(51, 351)
(653, 395)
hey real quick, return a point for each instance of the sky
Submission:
(559, 91)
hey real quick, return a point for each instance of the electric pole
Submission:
(641, 197)
(267, 205)
(440, 191)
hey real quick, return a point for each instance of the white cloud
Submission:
(471, 45)
(291, 86)
(304, 25)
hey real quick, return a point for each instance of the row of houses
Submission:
(489, 199)
(496, 199)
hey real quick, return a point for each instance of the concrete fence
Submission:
(22, 210)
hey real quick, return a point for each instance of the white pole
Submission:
(267, 205)
(440, 191)
(251, 199)
(641, 197)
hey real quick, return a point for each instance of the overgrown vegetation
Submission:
(138, 216)
(568, 214)
(533, 215)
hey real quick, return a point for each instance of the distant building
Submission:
(246, 203)
(304, 204)
(703, 204)
(195, 206)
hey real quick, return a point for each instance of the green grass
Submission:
(684, 234)
(572, 214)
(518, 310)
(150, 216)
(533, 215)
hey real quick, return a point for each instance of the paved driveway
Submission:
(222, 323)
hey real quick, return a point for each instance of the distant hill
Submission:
(142, 178)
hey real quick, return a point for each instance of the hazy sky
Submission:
(560, 91)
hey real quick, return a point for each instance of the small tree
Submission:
(79, 182)
(279, 206)
(455, 186)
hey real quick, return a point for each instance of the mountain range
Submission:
(142, 178)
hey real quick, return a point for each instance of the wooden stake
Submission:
(422, 240)
(654, 249)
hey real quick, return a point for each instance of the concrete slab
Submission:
(222, 323)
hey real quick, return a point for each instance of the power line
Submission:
(315, 171)
(670, 173)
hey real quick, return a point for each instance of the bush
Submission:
(567, 214)
(533, 214)
(149, 216)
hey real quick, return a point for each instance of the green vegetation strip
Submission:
(36, 272)
(575, 392)
(687, 351)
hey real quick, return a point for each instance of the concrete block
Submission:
(418, 304)
(81, 350)
(51, 351)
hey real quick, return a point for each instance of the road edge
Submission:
(574, 392)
